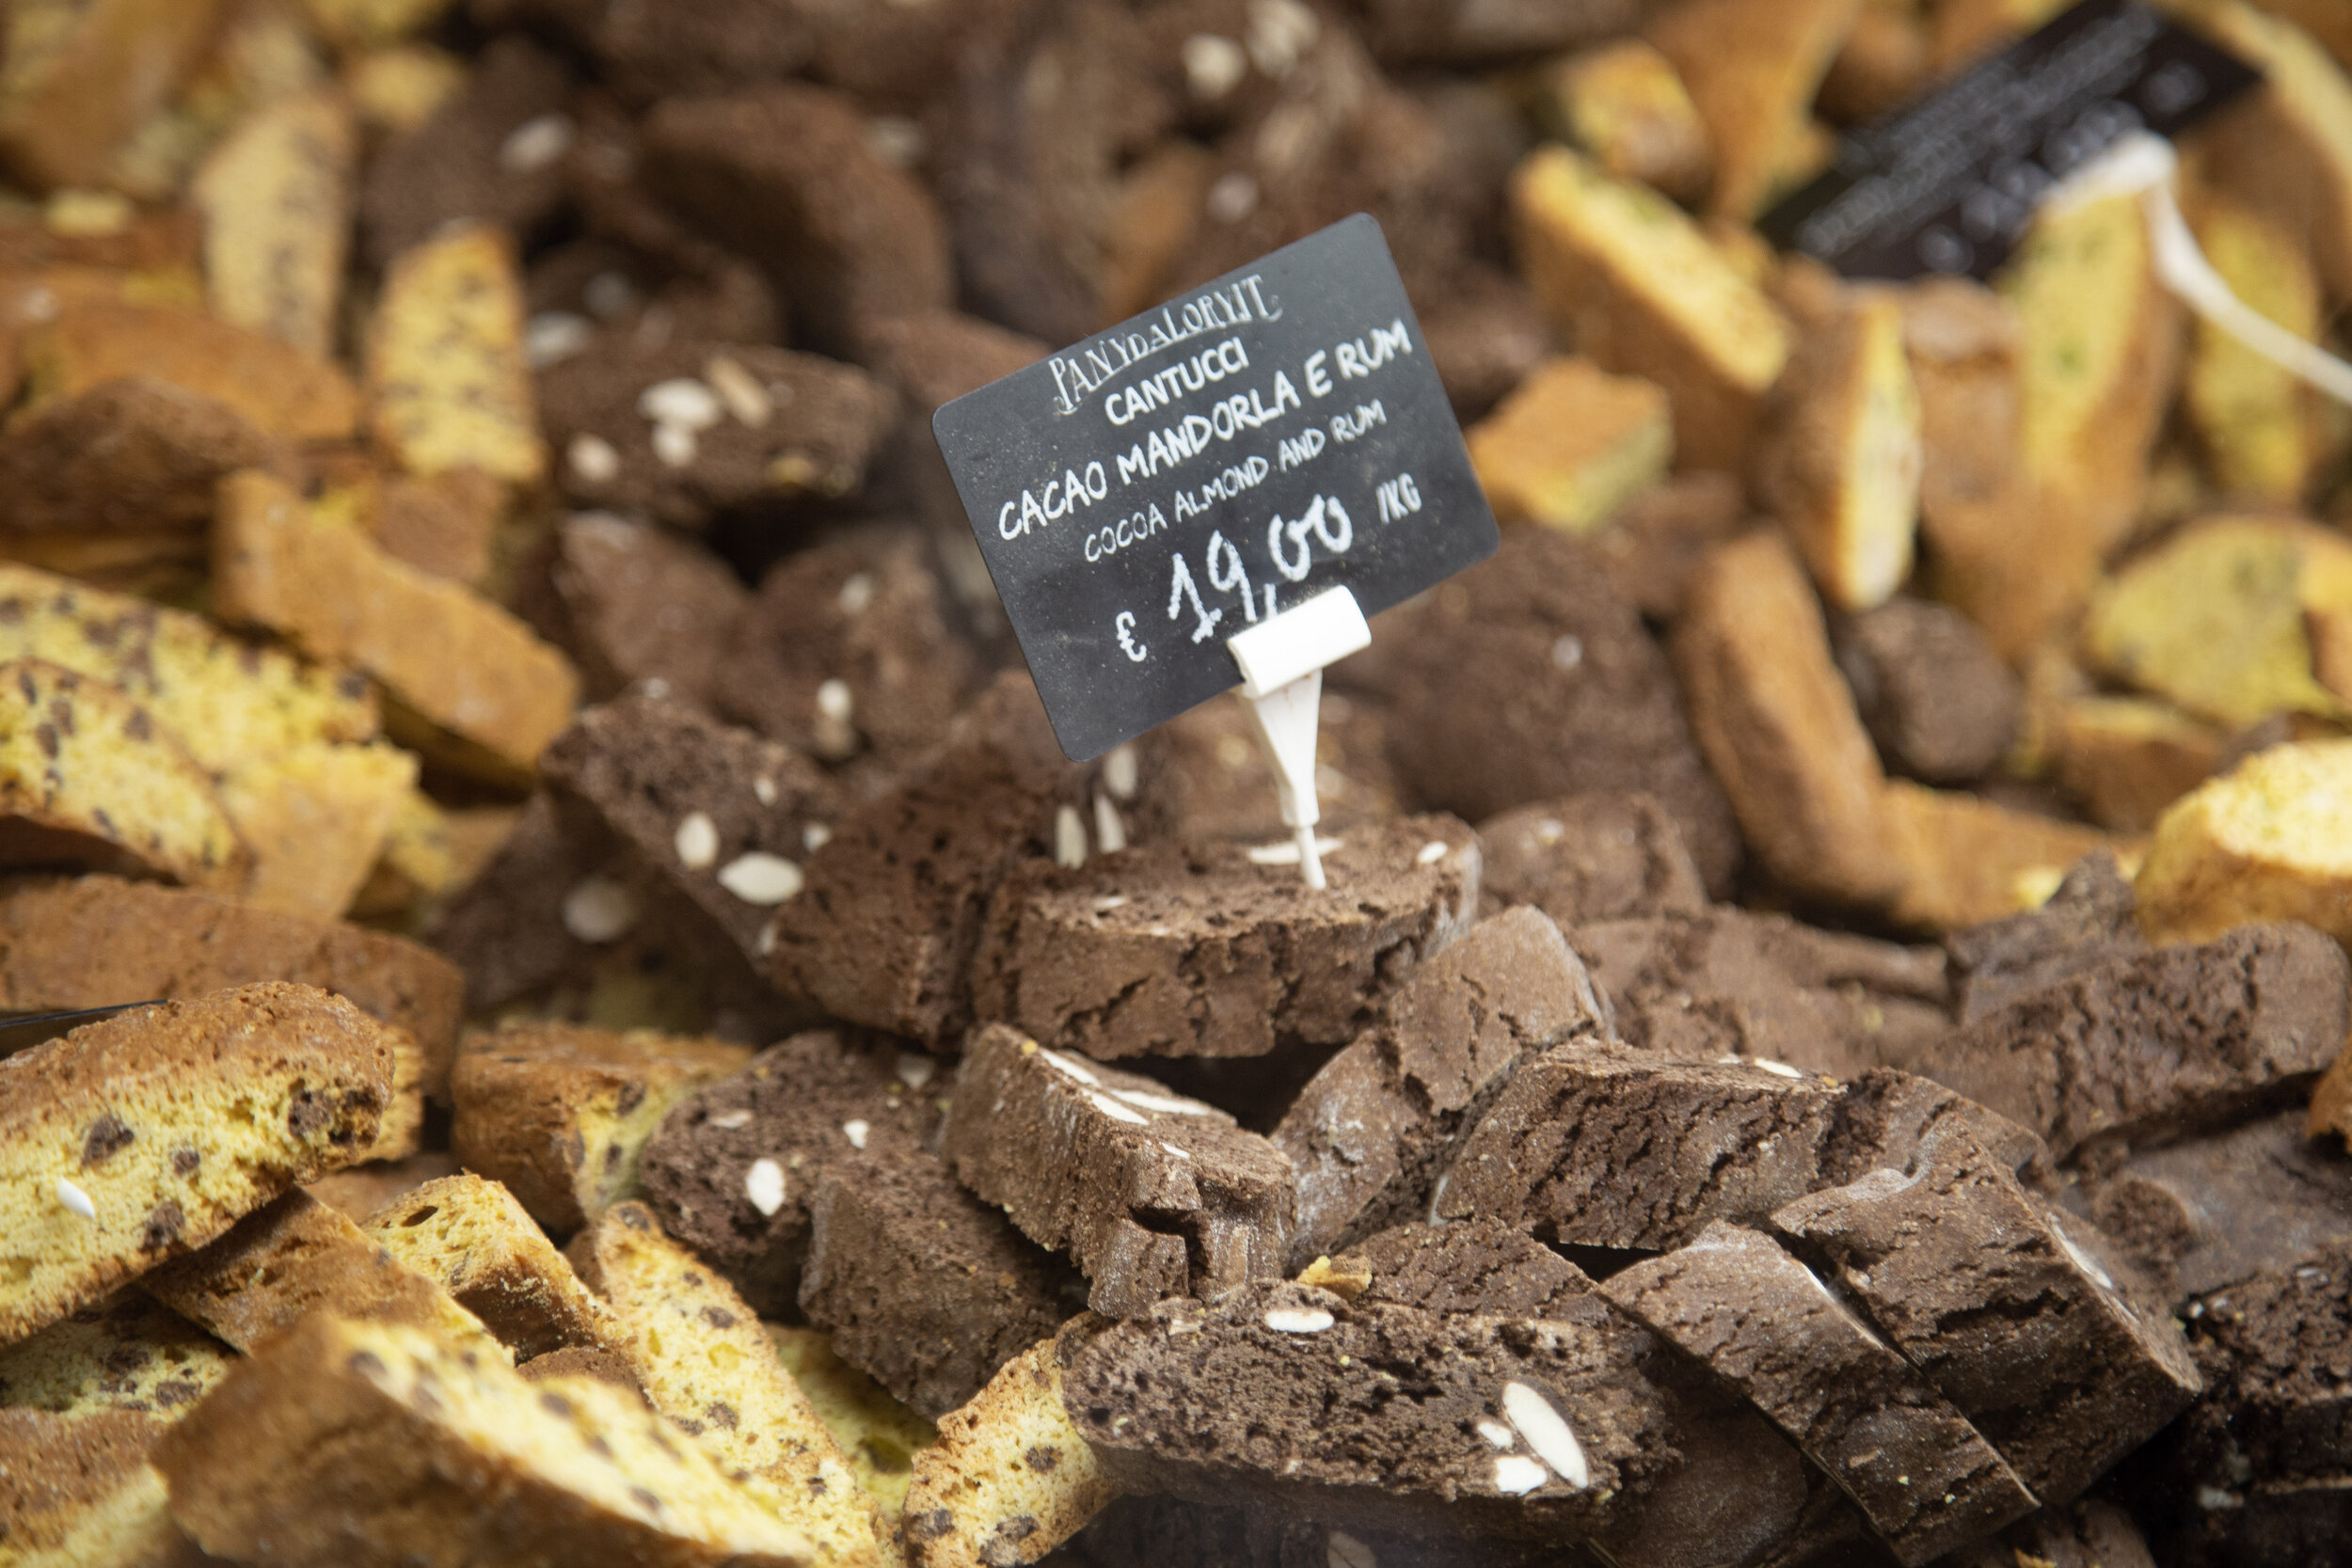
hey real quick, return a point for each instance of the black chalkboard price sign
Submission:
(1148, 493)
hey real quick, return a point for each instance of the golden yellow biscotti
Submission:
(1752, 68)
(2269, 840)
(457, 661)
(472, 1237)
(90, 780)
(94, 941)
(705, 1362)
(1778, 724)
(1622, 104)
(2127, 758)
(231, 702)
(445, 366)
(1571, 444)
(877, 1434)
(317, 820)
(2286, 150)
(2256, 421)
(147, 1135)
(1840, 458)
(126, 1353)
(1645, 293)
(1966, 860)
(352, 1445)
(1010, 1478)
(79, 78)
(77, 1492)
(2214, 618)
(276, 195)
(560, 1112)
(400, 86)
(295, 1257)
(276, 388)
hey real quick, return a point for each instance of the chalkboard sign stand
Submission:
(1281, 661)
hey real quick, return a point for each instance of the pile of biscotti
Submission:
(646, 1052)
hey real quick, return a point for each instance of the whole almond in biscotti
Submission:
(445, 367)
(276, 195)
(464, 666)
(145, 1136)
(1647, 296)
(567, 1470)
(90, 778)
(276, 388)
(705, 1362)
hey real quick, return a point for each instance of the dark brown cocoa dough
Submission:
(1727, 982)
(2005, 1306)
(630, 603)
(845, 650)
(1485, 338)
(1527, 678)
(783, 174)
(921, 1286)
(2197, 1215)
(1652, 546)
(1602, 1146)
(648, 52)
(896, 899)
(718, 813)
(1219, 784)
(1927, 1480)
(1153, 1195)
(2086, 923)
(462, 164)
(1585, 858)
(821, 1098)
(2143, 1049)
(1475, 1266)
(2255, 1471)
(1378, 1415)
(2089, 1533)
(505, 928)
(1203, 949)
(1371, 1131)
(1432, 32)
(1152, 1532)
(814, 428)
(1939, 702)
(1887, 1115)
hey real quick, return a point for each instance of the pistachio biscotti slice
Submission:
(705, 1363)
(2269, 840)
(297, 1256)
(472, 1238)
(126, 1353)
(561, 1112)
(1009, 1477)
(88, 778)
(351, 1445)
(445, 359)
(876, 1434)
(147, 1135)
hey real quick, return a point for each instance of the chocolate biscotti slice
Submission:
(1606, 855)
(2151, 1047)
(1010, 1478)
(473, 1240)
(560, 1113)
(88, 778)
(1375, 1414)
(355, 1445)
(1206, 949)
(705, 1362)
(145, 1136)
(1927, 1479)
(1600, 1145)
(1375, 1126)
(297, 1256)
(2004, 1307)
(1154, 1195)
(723, 815)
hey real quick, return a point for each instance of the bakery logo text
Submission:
(1080, 373)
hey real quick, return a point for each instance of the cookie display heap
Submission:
(616, 1036)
